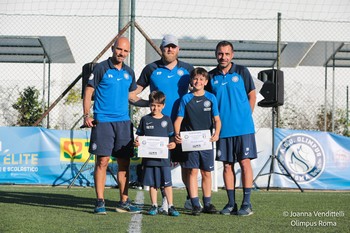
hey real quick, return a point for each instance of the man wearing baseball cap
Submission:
(169, 40)
(172, 77)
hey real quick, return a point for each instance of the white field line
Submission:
(136, 220)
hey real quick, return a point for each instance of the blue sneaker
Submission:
(153, 211)
(100, 208)
(245, 210)
(173, 212)
(228, 209)
(126, 207)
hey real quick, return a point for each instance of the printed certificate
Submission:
(196, 140)
(153, 147)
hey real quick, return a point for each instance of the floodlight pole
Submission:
(276, 110)
(347, 110)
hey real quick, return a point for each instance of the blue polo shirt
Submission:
(231, 91)
(173, 83)
(198, 111)
(150, 126)
(112, 87)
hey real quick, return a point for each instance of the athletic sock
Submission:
(162, 192)
(100, 202)
(206, 201)
(188, 193)
(231, 193)
(246, 195)
(195, 201)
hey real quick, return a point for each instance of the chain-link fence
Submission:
(311, 93)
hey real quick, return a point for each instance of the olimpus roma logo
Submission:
(74, 150)
(303, 157)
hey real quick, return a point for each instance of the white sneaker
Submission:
(164, 208)
(188, 204)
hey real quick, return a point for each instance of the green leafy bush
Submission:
(29, 107)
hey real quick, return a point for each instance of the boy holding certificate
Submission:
(198, 111)
(157, 171)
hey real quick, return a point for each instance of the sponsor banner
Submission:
(34, 155)
(39, 156)
(316, 160)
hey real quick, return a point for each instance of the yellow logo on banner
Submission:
(77, 150)
(74, 150)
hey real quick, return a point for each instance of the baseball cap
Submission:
(169, 39)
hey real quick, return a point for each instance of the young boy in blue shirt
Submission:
(199, 111)
(157, 172)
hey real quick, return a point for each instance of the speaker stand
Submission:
(82, 169)
(272, 159)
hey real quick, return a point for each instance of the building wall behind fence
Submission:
(88, 33)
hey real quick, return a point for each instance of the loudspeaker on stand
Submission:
(272, 89)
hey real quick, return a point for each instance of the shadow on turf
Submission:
(50, 200)
(63, 201)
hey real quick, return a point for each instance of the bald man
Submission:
(112, 83)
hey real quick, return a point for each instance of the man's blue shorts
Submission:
(235, 149)
(157, 176)
(112, 139)
(203, 160)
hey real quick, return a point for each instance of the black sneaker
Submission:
(196, 210)
(210, 209)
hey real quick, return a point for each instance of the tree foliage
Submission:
(340, 121)
(292, 117)
(28, 106)
(73, 97)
